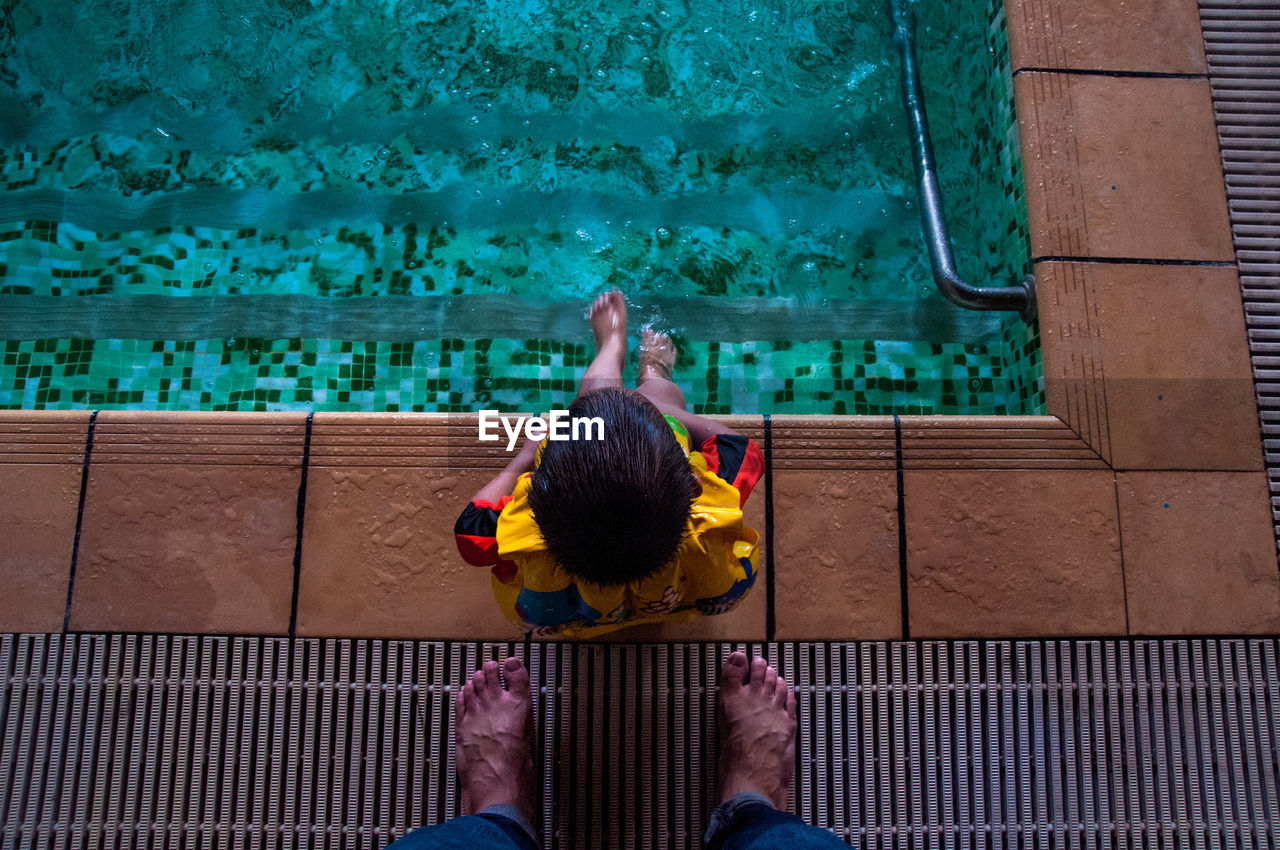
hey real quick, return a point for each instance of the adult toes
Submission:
(492, 681)
(780, 691)
(734, 671)
(466, 698)
(758, 666)
(517, 675)
(770, 680)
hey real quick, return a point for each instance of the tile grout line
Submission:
(1084, 72)
(302, 510)
(769, 622)
(1131, 261)
(1100, 387)
(1091, 375)
(902, 530)
(1232, 470)
(1098, 368)
(1124, 579)
(75, 544)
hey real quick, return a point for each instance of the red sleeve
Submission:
(735, 459)
(476, 534)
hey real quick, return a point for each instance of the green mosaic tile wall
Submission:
(348, 152)
(840, 376)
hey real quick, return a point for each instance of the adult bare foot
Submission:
(608, 317)
(657, 354)
(494, 752)
(757, 730)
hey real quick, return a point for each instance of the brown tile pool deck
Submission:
(1138, 505)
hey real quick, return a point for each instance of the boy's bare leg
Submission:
(657, 359)
(608, 319)
(494, 753)
(757, 730)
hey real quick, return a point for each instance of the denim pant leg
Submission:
(750, 822)
(495, 828)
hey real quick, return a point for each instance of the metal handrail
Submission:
(1021, 297)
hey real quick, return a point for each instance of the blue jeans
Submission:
(746, 822)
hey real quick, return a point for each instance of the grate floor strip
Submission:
(163, 740)
(1242, 44)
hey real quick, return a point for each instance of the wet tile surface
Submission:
(833, 442)
(836, 544)
(383, 492)
(187, 549)
(1200, 553)
(1160, 36)
(1072, 350)
(190, 523)
(1013, 553)
(1151, 363)
(379, 558)
(41, 462)
(993, 442)
(38, 526)
(1122, 167)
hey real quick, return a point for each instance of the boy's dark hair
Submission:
(613, 511)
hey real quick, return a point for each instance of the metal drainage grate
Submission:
(165, 741)
(1242, 44)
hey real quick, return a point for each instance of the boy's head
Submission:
(614, 510)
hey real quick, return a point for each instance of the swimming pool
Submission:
(254, 206)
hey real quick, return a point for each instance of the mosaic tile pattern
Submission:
(59, 258)
(1023, 367)
(975, 138)
(463, 149)
(457, 375)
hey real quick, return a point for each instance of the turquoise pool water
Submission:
(352, 206)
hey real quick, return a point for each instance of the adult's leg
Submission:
(757, 761)
(485, 831)
(608, 319)
(494, 757)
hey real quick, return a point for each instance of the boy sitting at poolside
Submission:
(586, 536)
